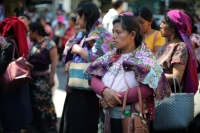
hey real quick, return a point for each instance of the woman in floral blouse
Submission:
(42, 54)
(81, 110)
(177, 56)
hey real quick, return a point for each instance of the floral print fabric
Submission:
(142, 62)
(195, 38)
(39, 53)
(170, 54)
(96, 42)
(45, 118)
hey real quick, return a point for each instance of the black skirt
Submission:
(15, 109)
(80, 113)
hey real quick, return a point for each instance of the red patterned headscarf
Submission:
(184, 25)
(19, 32)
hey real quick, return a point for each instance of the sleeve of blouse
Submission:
(97, 85)
(160, 41)
(180, 55)
(6, 56)
(101, 46)
(146, 91)
(50, 45)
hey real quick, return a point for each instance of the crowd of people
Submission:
(103, 58)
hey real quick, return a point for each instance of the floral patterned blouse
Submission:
(170, 54)
(196, 39)
(142, 62)
(39, 55)
(97, 42)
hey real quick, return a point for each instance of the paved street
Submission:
(60, 94)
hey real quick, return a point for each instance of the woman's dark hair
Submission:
(171, 25)
(146, 14)
(129, 23)
(91, 12)
(37, 26)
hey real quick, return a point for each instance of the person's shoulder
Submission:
(180, 46)
(9, 44)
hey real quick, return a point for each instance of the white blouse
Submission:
(114, 79)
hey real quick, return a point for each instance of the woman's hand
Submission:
(103, 103)
(76, 49)
(67, 65)
(29, 65)
(51, 81)
(111, 97)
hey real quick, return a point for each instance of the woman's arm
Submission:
(146, 91)
(79, 50)
(178, 70)
(114, 98)
(53, 58)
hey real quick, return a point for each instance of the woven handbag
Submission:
(135, 122)
(175, 112)
(77, 78)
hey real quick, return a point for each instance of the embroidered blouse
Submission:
(170, 54)
(39, 55)
(97, 42)
(140, 62)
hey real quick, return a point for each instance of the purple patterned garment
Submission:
(97, 42)
(184, 26)
(143, 63)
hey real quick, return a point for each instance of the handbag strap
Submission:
(14, 48)
(176, 79)
(133, 104)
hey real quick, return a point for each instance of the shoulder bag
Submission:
(17, 73)
(175, 112)
(136, 122)
(77, 78)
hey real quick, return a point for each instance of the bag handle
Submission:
(176, 79)
(15, 48)
(133, 104)
(139, 93)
